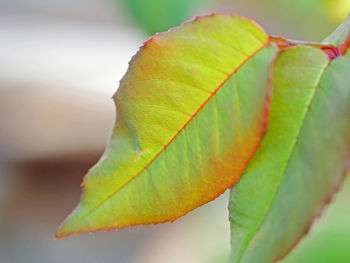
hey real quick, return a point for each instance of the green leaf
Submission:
(192, 110)
(340, 38)
(340, 35)
(301, 160)
(329, 239)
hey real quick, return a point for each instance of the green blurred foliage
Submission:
(314, 19)
(309, 20)
(159, 15)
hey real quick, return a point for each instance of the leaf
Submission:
(329, 239)
(301, 160)
(340, 35)
(341, 38)
(192, 110)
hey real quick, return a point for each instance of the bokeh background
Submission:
(60, 63)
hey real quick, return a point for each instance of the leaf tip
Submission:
(62, 231)
(59, 234)
(68, 228)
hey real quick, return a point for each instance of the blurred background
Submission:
(60, 64)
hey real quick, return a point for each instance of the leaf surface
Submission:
(301, 160)
(191, 112)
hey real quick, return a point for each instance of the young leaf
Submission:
(192, 110)
(340, 35)
(301, 160)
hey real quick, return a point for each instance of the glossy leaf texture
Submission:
(191, 112)
(302, 158)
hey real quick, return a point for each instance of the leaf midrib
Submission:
(179, 131)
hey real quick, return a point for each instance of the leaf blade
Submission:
(271, 208)
(157, 117)
(339, 36)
